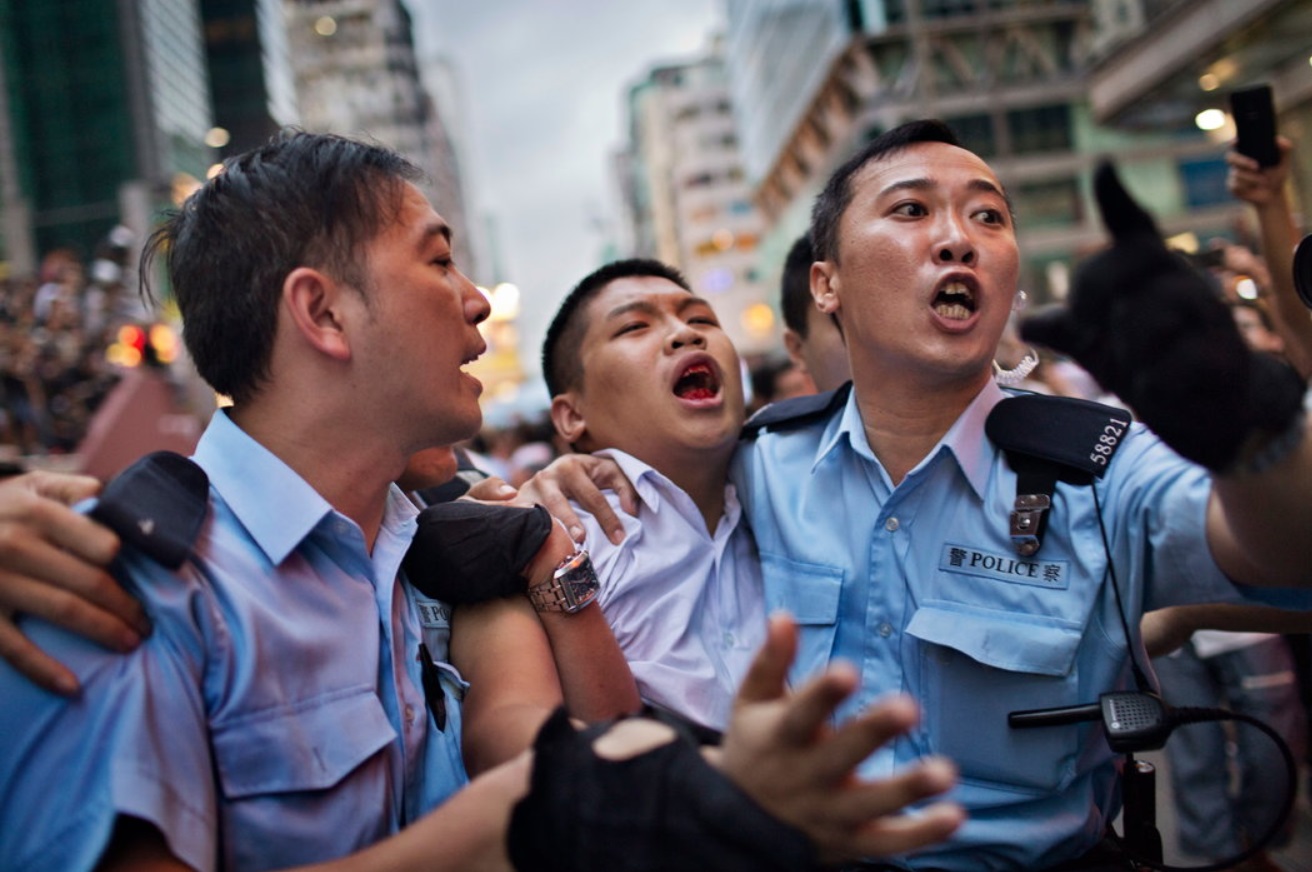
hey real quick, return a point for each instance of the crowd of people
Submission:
(336, 669)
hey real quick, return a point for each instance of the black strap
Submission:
(1048, 440)
(796, 412)
(157, 505)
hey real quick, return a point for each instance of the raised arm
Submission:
(1265, 190)
(1150, 330)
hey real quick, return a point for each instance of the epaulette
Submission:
(796, 412)
(1050, 439)
(157, 505)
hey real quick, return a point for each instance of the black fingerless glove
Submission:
(469, 552)
(1147, 325)
(666, 810)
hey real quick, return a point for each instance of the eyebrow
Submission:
(647, 307)
(981, 185)
(434, 229)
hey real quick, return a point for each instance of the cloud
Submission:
(544, 86)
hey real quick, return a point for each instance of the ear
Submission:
(793, 345)
(824, 286)
(313, 301)
(567, 417)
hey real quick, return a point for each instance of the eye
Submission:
(910, 210)
(630, 327)
(992, 216)
(707, 320)
(444, 262)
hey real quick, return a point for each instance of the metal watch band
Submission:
(572, 586)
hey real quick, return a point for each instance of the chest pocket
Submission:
(979, 665)
(810, 593)
(286, 769)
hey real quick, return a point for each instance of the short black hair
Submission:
(561, 366)
(795, 285)
(302, 199)
(837, 194)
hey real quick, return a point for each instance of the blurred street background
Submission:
(559, 135)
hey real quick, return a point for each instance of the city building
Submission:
(105, 109)
(250, 73)
(1042, 88)
(357, 74)
(686, 195)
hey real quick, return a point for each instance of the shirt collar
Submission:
(964, 440)
(649, 483)
(276, 506)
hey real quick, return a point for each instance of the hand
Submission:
(1249, 181)
(780, 750)
(582, 478)
(1151, 330)
(52, 563)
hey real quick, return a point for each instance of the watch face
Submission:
(578, 580)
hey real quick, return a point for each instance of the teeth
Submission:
(953, 311)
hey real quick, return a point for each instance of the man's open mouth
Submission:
(698, 382)
(954, 301)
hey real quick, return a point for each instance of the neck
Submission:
(343, 467)
(904, 421)
(701, 474)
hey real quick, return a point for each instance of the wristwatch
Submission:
(571, 587)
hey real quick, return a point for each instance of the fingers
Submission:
(585, 484)
(85, 601)
(766, 677)
(491, 490)
(899, 833)
(29, 660)
(860, 736)
(29, 521)
(64, 487)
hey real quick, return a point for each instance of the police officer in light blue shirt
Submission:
(883, 513)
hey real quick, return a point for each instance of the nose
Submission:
(955, 245)
(477, 305)
(684, 334)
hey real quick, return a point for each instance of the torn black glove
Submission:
(470, 552)
(1148, 327)
(666, 810)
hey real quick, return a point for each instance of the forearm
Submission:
(466, 834)
(1258, 524)
(1291, 317)
(594, 676)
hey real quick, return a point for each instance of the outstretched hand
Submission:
(780, 749)
(52, 566)
(1149, 327)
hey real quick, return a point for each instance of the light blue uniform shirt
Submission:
(275, 716)
(921, 588)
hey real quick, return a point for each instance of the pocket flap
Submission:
(1038, 644)
(310, 746)
(807, 591)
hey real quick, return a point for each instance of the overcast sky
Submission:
(543, 85)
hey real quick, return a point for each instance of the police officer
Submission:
(887, 518)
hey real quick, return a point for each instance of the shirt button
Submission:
(409, 715)
(728, 640)
(891, 524)
(885, 629)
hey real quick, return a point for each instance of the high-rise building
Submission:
(1176, 62)
(813, 80)
(687, 197)
(251, 83)
(106, 108)
(357, 74)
